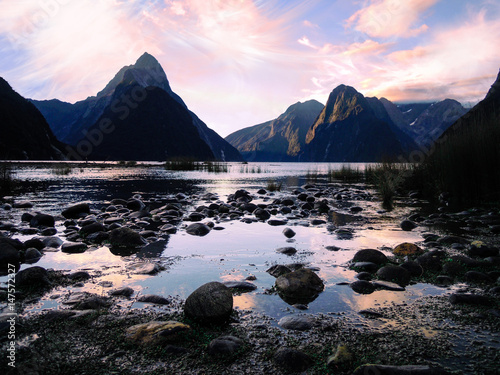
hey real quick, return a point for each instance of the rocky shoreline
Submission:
(89, 333)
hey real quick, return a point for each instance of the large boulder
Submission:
(210, 303)
(76, 211)
(396, 274)
(33, 277)
(370, 255)
(126, 238)
(301, 286)
(156, 332)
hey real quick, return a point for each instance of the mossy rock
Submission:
(407, 249)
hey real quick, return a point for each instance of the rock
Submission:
(407, 248)
(277, 222)
(296, 322)
(370, 255)
(135, 204)
(477, 277)
(292, 360)
(156, 332)
(407, 225)
(91, 228)
(396, 274)
(169, 228)
(144, 268)
(398, 370)
(34, 242)
(362, 287)
(364, 276)
(453, 268)
(469, 299)
(356, 209)
(277, 270)
(288, 232)
(198, 229)
(480, 250)
(126, 238)
(341, 356)
(430, 262)
(79, 275)
(299, 286)
(42, 220)
(387, 285)
(210, 303)
(53, 242)
(73, 247)
(448, 240)
(33, 277)
(317, 222)
(370, 313)
(240, 285)
(262, 214)
(76, 211)
(365, 266)
(413, 268)
(153, 298)
(286, 250)
(22, 204)
(92, 302)
(8, 255)
(32, 255)
(125, 291)
(225, 346)
(444, 281)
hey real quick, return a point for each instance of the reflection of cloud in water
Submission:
(101, 257)
(245, 301)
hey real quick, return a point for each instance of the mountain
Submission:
(25, 133)
(348, 129)
(71, 122)
(281, 139)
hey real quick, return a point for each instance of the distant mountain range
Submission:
(350, 128)
(136, 116)
(25, 135)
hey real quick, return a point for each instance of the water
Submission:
(231, 254)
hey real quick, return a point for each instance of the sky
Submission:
(238, 63)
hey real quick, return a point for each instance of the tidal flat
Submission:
(123, 245)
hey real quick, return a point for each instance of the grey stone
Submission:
(210, 303)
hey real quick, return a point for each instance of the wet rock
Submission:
(32, 255)
(126, 238)
(407, 248)
(210, 303)
(169, 228)
(156, 332)
(332, 248)
(97, 237)
(92, 302)
(299, 286)
(8, 255)
(480, 250)
(469, 299)
(366, 276)
(125, 291)
(240, 285)
(398, 370)
(407, 225)
(33, 277)
(73, 247)
(53, 242)
(413, 268)
(79, 275)
(430, 262)
(34, 242)
(356, 209)
(225, 346)
(317, 222)
(370, 255)
(277, 222)
(296, 322)
(144, 268)
(286, 250)
(449, 240)
(135, 204)
(370, 313)
(153, 298)
(476, 277)
(42, 220)
(262, 214)
(443, 280)
(198, 229)
(469, 262)
(396, 274)
(48, 232)
(92, 228)
(365, 266)
(387, 285)
(341, 356)
(277, 270)
(289, 233)
(22, 204)
(76, 211)
(292, 360)
(362, 287)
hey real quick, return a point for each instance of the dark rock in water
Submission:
(125, 291)
(97, 237)
(262, 214)
(469, 299)
(356, 209)
(362, 287)
(79, 275)
(477, 277)
(407, 225)
(33, 277)
(318, 222)
(144, 268)
(365, 266)
(396, 274)
(8, 255)
(370, 255)
(22, 204)
(92, 303)
(156, 333)
(32, 255)
(366, 276)
(277, 222)
(332, 248)
(27, 216)
(482, 251)
(76, 211)
(198, 229)
(277, 270)
(398, 370)
(292, 360)
(286, 250)
(34, 242)
(296, 322)
(135, 204)
(224, 346)
(448, 240)
(210, 303)
(430, 262)
(370, 313)
(92, 228)
(240, 285)
(387, 285)
(153, 298)
(126, 238)
(299, 286)
(443, 280)
(288, 232)
(413, 268)
(48, 232)
(42, 220)
(73, 247)
(407, 248)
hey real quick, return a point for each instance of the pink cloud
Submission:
(391, 18)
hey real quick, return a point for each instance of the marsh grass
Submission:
(192, 165)
(245, 168)
(273, 185)
(62, 169)
(388, 179)
(346, 174)
(6, 179)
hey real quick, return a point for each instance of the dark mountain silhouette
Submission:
(25, 133)
(281, 139)
(348, 129)
(71, 122)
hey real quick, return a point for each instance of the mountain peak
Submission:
(146, 61)
(495, 88)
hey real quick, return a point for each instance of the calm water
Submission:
(234, 253)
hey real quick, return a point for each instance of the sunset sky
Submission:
(238, 63)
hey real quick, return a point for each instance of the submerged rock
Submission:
(286, 250)
(240, 285)
(277, 270)
(210, 303)
(299, 286)
(362, 287)
(153, 298)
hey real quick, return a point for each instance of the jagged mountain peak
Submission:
(146, 61)
(495, 88)
(301, 106)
